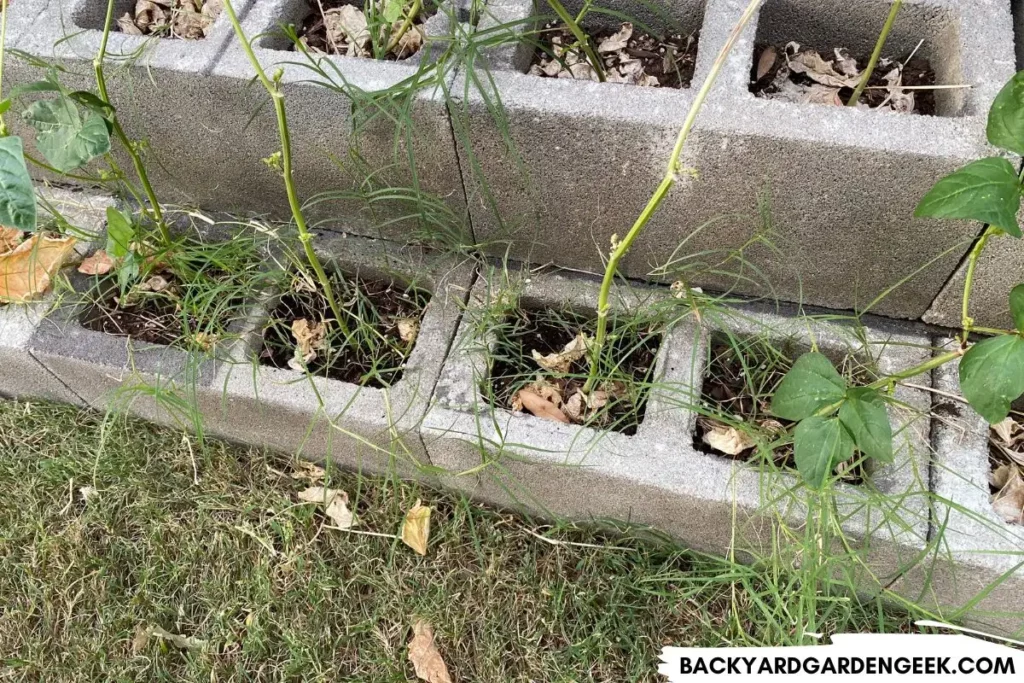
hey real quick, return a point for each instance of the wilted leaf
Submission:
(334, 502)
(409, 43)
(346, 25)
(618, 40)
(309, 338)
(811, 64)
(423, 654)
(25, 272)
(157, 283)
(530, 399)
(416, 528)
(766, 61)
(10, 238)
(126, 24)
(86, 492)
(1009, 501)
(178, 641)
(408, 329)
(561, 361)
(141, 639)
(308, 471)
(99, 263)
(728, 440)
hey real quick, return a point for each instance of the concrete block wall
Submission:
(656, 477)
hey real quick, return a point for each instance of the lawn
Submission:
(111, 529)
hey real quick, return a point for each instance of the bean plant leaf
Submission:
(992, 375)
(819, 443)
(392, 10)
(1006, 117)
(1017, 306)
(17, 197)
(810, 385)
(986, 190)
(63, 138)
(120, 233)
(864, 415)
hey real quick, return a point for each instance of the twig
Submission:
(595, 546)
(192, 456)
(361, 533)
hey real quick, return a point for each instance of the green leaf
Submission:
(810, 385)
(992, 375)
(864, 415)
(38, 86)
(5, 105)
(393, 10)
(17, 197)
(63, 139)
(1017, 306)
(91, 101)
(120, 233)
(819, 444)
(1006, 117)
(986, 190)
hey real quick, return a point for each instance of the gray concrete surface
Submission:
(362, 428)
(656, 477)
(831, 189)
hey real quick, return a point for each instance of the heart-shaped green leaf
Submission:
(863, 413)
(1006, 117)
(810, 385)
(992, 375)
(986, 190)
(63, 138)
(819, 444)
(17, 198)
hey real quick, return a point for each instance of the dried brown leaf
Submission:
(410, 42)
(811, 64)
(618, 40)
(346, 25)
(561, 361)
(305, 470)
(766, 61)
(179, 641)
(309, 338)
(728, 440)
(416, 528)
(126, 24)
(408, 329)
(334, 502)
(530, 399)
(10, 238)
(1009, 501)
(25, 271)
(99, 263)
(423, 654)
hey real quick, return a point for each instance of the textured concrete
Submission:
(837, 186)
(368, 429)
(163, 89)
(975, 549)
(656, 477)
(21, 375)
(339, 133)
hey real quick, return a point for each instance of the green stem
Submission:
(671, 175)
(273, 88)
(966, 322)
(876, 55)
(406, 25)
(140, 169)
(929, 364)
(580, 36)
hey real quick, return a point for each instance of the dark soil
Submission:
(671, 59)
(727, 390)
(916, 72)
(369, 361)
(314, 31)
(547, 332)
(148, 317)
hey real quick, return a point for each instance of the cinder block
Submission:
(976, 551)
(163, 89)
(833, 189)
(656, 477)
(21, 375)
(362, 428)
(332, 126)
(1000, 269)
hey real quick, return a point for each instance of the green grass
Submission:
(209, 542)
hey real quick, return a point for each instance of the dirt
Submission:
(778, 81)
(313, 32)
(645, 60)
(546, 332)
(151, 317)
(178, 19)
(381, 305)
(727, 391)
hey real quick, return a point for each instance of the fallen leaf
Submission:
(346, 25)
(765, 62)
(179, 641)
(1005, 430)
(141, 639)
(416, 528)
(334, 501)
(150, 17)
(99, 263)
(530, 399)
(408, 329)
(25, 271)
(205, 340)
(126, 24)
(309, 338)
(728, 440)
(10, 238)
(811, 64)
(618, 40)
(86, 492)
(846, 64)
(575, 407)
(410, 42)
(423, 654)
(308, 471)
(561, 361)
(1009, 501)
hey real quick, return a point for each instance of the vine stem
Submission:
(3, 50)
(671, 175)
(274, 89)
(876, 54)
(406, 25)
(140, 168)
(581, 37)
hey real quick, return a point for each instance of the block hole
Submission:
(181, 20)
(1017, 8)
(743, 373)
(530, 341)
(661, 48)
(924, 38)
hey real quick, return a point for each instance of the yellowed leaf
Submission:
(416, 528)
(9, 239)
(423, 654)
(334, 502)
(408, 329)
(25, 271)
(308, 471)
(728, 440)
(97, 264)
(309, 338)
(531, 400)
